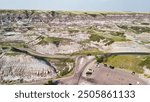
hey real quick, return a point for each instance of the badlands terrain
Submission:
(62, 47)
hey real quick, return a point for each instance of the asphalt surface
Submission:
(34, 53)
(101, 76)
(106, 76)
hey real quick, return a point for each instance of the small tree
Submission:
(99, 59)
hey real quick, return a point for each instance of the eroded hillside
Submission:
(36, 45)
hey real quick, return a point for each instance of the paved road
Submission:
(102, 76)
(70, 80)
(106, 76)
(79, 68)
(127, 53)
(74, 80)
(34, 53)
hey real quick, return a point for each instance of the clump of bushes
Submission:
(51, 82)
(73, 31)
(108, 37)
(96, 37)
(138, 29)
(47, 40)
(145, 23)
(147, 75)
(16, 44)
(64, 72)
(121, 34)
(99, 59)
(88, 52)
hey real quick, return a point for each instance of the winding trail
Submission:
(102, 76)
(79, 68)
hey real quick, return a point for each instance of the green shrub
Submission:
(121, 34)
(99, 59)
(64, 72)
(16, 44)
(96, 37)
(47, 40)
(138, 29)
(88, 52)
(145, 23)
(50, 82)
(108, 37)
(147, 75)
(73, 31)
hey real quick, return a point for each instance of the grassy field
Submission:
(128, 62)
(62, 66)
(146, 62)
(88, 52)
(115, 36)
(12, 53)
(106, 36)
(60, 62)
(15, 43)
(136, 29)
(146, 75)
(54, 40)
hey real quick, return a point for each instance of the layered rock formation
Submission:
(52, 33)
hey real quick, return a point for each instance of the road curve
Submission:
(34, 53)
(77, 74)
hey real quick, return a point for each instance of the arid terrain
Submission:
(74, 48)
